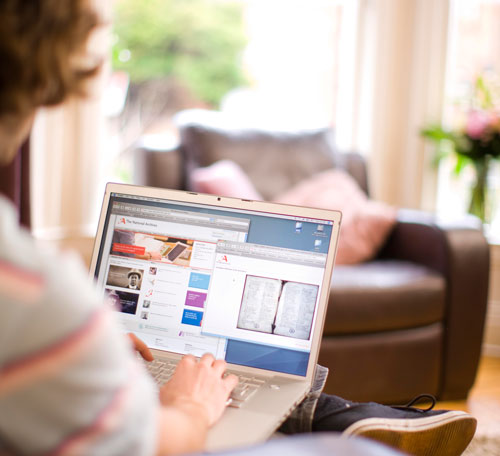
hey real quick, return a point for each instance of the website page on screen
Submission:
(189, 278)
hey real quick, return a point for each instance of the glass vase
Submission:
(478, 203)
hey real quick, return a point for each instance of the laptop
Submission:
(247, 281)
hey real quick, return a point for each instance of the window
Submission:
(473, 50)
(275, 62)
(247, 57)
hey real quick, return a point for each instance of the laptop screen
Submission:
(194, 278)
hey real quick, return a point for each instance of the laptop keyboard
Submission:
(162, 370)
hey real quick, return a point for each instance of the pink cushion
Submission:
(224, 178)
(365, 223)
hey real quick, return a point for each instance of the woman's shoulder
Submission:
(33, 273)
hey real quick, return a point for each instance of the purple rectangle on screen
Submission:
(195, 299)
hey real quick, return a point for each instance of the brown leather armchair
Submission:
(407, 322)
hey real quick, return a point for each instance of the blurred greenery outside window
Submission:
(197, 42)
(168, 55)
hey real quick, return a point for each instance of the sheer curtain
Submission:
(67, 144)
(400, 73)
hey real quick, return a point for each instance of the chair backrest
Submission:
(273, 160)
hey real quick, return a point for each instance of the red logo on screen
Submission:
(223, 258)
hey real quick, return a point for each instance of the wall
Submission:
(492, 332)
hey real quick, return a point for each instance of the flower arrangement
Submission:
(475, 143)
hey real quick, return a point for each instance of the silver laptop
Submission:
(247, 281)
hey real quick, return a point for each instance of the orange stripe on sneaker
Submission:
(107, 420)
(33, 367)
(19, 284)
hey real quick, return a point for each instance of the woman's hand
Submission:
(199, 387)
(141, 347)
(192, 401)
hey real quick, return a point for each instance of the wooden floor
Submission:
(484, 399)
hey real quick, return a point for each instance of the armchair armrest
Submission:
(159, 165)
(460, 252)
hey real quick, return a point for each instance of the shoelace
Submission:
(420, 398)
(408, 406)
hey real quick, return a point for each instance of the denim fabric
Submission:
(302, 417)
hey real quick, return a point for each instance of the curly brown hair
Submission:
(40, 41)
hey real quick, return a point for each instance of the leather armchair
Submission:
(409, 321)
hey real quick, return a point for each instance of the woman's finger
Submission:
(141, 347)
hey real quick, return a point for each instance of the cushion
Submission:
(224, 178)
(365, 223)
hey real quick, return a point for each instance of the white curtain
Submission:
(67, 146)
(398, 87)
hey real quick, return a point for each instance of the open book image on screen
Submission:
(276, 306)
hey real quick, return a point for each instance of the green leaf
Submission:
(462, 162)
(436, 133)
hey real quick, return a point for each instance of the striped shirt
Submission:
(69, 383)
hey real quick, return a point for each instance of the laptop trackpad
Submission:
(232, 429)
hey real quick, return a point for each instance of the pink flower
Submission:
(477, 123)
